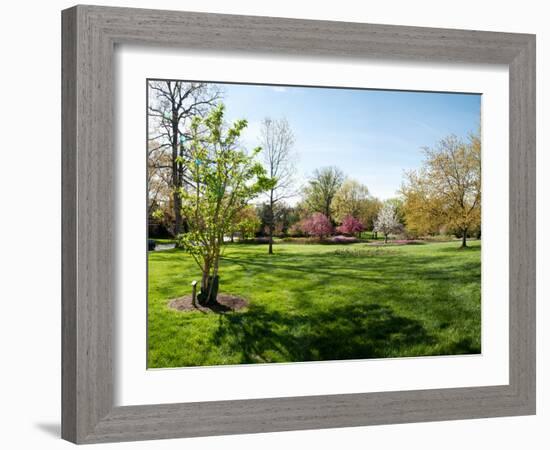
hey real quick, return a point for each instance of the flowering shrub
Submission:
(350, 225)
(317, 225)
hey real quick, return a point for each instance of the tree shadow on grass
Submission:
(458, 249)
(387, 268)
(350, 331)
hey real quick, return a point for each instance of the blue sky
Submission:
(372, 135)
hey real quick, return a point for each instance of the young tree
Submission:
(387, 221)
(277, 142)
(317, 225)
(172, 106)
(322, 188)
(223, 179)
(350, 225)
(447, 189)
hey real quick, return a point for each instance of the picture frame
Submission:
(89, 37)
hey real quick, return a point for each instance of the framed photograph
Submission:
(278, 224)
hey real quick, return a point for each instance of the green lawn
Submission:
(320, 302)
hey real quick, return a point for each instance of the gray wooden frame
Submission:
(89, 36)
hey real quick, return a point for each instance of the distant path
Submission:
(160, 247)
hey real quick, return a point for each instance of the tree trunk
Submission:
(209, 287)
(270, 251)
(327, 211)
(177, 212)
(209, 292)
(385, 238)
(270, 226)
(176, 178)
(464, 233)
(204, 287)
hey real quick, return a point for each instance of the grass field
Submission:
(320, 302)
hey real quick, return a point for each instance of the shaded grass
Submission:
(316, 302)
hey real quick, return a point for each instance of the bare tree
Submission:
(172, 105)
(158, 177)
(279, 159)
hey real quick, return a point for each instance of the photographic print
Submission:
(298, 224)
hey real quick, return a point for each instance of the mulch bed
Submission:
(225, 303)
(340, 239)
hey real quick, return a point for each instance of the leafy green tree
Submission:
(284, 216)
(247, 222)
(350, 200)
(322, 188)
(354, 199)
(287, 216)
(222, 179)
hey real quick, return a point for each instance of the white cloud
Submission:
(279, 88)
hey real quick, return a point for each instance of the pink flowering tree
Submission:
(350, 225)
(317, 225)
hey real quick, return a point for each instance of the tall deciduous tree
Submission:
(322, 188)
(277, 142)
(350, 199)
(353, 199)
(223, 179)
(247, 222)
(447, 189)
(172, 105)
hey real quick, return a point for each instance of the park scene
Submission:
(300, 224)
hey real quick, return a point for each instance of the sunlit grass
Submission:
(320, 302)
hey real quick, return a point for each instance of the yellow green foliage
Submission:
(446, 191)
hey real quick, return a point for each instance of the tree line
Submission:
(204, 186)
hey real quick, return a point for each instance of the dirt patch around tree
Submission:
(225, 303)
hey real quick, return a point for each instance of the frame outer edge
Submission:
(523, 225)
(89, 415)
(87, 298)
(68, 224)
